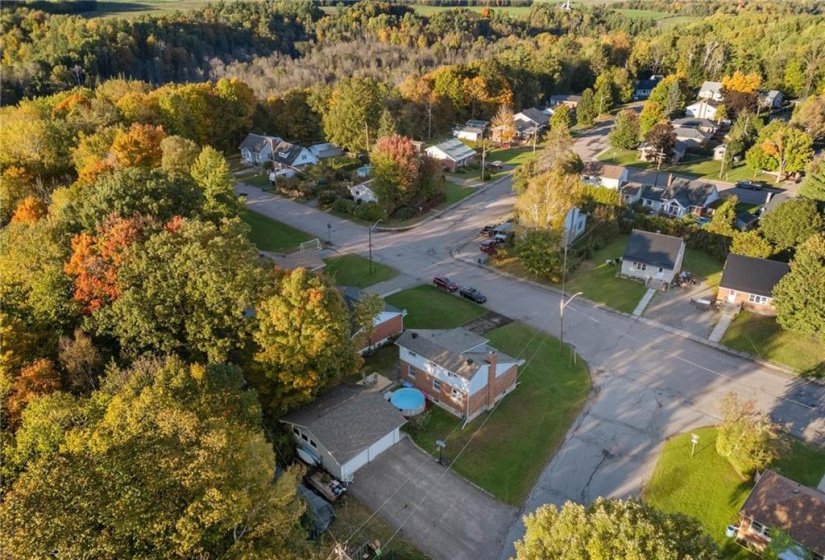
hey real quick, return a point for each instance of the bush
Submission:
(369, 212)
(344, 205)
(404, 213)
(327, 197)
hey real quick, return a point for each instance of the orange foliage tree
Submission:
(38, 378)
(30, 210)
(139, 146)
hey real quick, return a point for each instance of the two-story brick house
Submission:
(457, 369)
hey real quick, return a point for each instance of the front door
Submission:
(731, 296)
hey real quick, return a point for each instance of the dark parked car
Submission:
(472, 294)
(495, 165)
(749, 185)
(488, 229)
(488, 246)
(445, 283)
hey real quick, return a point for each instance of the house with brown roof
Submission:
(457, 369)
(604, 174)
(749, 282)
(780, 503)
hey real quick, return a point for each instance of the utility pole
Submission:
(429, 121)
(367, 132)
(373, 226)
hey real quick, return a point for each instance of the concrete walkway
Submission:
(644, 301)
(400, 282)
(722, 326)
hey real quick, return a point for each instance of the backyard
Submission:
(764, 337)
(704, 267)
(706, 487)
(271, 235)
(354, 270)
(692, 165)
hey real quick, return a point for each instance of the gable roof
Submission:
(603, 170)
(325, 150)
(694, 122)
(556, 99)
(454, 149)
(286, 153)
(535, 115)
(686, 132)
(688, 193)
(653, 248)
(256, 142)
(780, 502)
(475, 123)
(715, 87)
(752, 275)
(347, 420)
(457, 350)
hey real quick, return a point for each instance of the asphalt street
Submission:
(648, 382)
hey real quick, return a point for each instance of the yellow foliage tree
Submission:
(744, 83)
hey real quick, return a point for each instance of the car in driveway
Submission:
(472, 294)
(445, 283)
(748, 185)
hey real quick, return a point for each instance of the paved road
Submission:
(648, 383)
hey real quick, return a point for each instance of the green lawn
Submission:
(355, 521)
(645, 14)
(354, 270)
(383, 361)
(516, 11)
(707, 487)
(271, 235)
(456, 192)
(764, 337)
(691, 166)
(432, 308)
(703, 266)
(508, 447)
(598, 281)
(258, 180)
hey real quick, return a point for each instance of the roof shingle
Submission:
(752, 275)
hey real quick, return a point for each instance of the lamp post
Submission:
(694, 439)
(536, 135)
(441, 445)
(372, 227)
(562, 305)
(329, 234)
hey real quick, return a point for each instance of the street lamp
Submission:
(372, 227)
(441, 445)
(562, 305)
(329, 234)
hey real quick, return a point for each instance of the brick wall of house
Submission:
(741, 298)
(387, 329)
(423, 381)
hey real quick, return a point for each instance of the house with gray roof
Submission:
(604, 174)
(571, 101)
(529, 121)
(326, 150)
(257, 148)
(457, 369)
(389, 322)
(680, 197)
(452, 154)
(345, 428)
(692, 137)
(705, 125)
(288, 155)
(645, 87)
(771, 99)
(711, 91)
(653, 257)
(749, 282)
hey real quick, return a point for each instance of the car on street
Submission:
(472, 294)
(488, 229)
(495, 165)
(489, 246)
(445, 283)
(748, 185)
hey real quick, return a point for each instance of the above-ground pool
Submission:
(409, 401)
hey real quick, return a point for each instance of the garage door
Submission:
(356, 463)
(383, 444)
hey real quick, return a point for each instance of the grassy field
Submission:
(691, 166)
(704, 267)
(707, 487)
(645, 14)
(354, 270)
(517, 11)
(457, 192)
(353, 522)
(270, 235)
(505, 450)
(431, 308)
(764, 337)
(135, 8)
(383, 361)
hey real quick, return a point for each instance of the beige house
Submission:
(748, 282)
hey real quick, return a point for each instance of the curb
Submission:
(455, 252)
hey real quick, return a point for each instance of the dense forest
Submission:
(117, 368)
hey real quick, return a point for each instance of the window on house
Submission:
(757, 527)
(296, 431)
(313, 444)
(436, 385)
(457, 396)
(411, 373)
(639, 266)
(304, 437)
(661, 269)
(758, 300)
(413, 354)
(648, 203)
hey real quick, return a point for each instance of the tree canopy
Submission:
(792, 222)
(800, 296)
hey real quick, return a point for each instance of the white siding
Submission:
(354, 464)
(443, 375)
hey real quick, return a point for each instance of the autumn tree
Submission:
(81, 361)
(625, 133)
(396, 171)
(662, 139)
(29, 210)
(611, 529)
(651, 115)
(792, 222)
(138, 146)
(547, 200)
(810, 116)
(351, 120)
(741, 92)
(503, 125)
(16, 184)
(752, 244)
(292, 115)
(800, 296)
(180, 465)
(587, 110)
(211, 173)
(303, 335)
(37, 378)
(780, 148)
(179, 154)
(813, 186)
(562, 117)
(747, 438)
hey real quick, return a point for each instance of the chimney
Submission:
(670, 179)
(491, 359)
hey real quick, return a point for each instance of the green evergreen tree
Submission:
(625, 133)
(586, 110)
(387, 125)
(800, 296)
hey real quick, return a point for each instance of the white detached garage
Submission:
(346, 428)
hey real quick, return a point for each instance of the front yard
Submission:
(692, 165)
(505, 450)
(431, 308)
(764, 337)
(707, 487)
(354, 270)
(271, 235)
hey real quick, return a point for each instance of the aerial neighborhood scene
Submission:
(412, 279)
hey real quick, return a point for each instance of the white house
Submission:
(346, 428)
(363, 193)
(574, 224)
(604, 174)
(720, 151)
(653, 257)
(711, 91)
(704, 109)
(452, 153)
(680, 197)
(285, 154)
(529, 121)
(469, 133)
(645, 87)
(257, 148)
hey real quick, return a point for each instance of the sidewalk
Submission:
(722, 326)
(644, 301)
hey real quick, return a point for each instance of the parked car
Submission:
(489, 229)
(748, 185)
(472, 294)
(495, 165)
(488, 246)
(445, 283)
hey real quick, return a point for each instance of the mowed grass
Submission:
(517, 11)
(354, 270)
(456, 192)
(706, 487)
(703, 266)
(504, 451)
(764, 337)
(598, 281)
(271, 235)
(692, 166)
(353, 521)
(431, 308)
